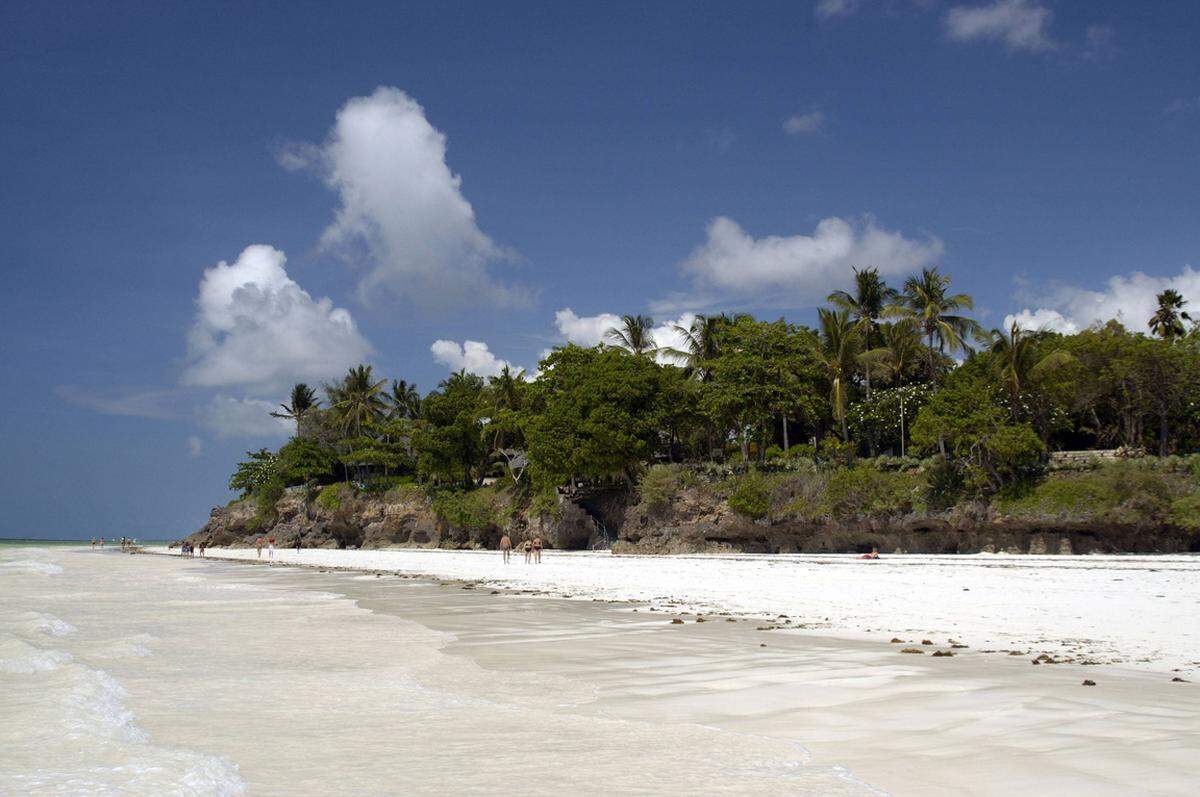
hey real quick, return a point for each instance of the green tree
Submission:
(937, 313)
(449, 438)
(357, 400)
(1018, 360)
(634, 335)
(839, 345)
(1167, 321)
(593, 414)
(303, 399)
(404, 400)
(865, 306)
(253, 473)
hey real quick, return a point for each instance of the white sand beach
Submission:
(1136, 611)
(150, 675)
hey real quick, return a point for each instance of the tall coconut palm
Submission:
(698, 344)
(937, 313)
(900, 348)
(837, 351)
(303, 399)
(1016, 354)
(404, 399)
(865, 306)
(634, 335)
(1167, 321)
(357, 400)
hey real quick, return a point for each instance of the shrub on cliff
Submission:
(866, 491)
(474, 510)
(1123, 491)
(658, 485)
(751, 495)
(331, 495)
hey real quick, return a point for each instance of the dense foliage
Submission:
(874, 379)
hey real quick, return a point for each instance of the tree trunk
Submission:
(783, 422)
(745, 445)
(1162, 430)
(901, 424)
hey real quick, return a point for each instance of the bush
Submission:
(474, 510)
(658, 485)
(751, 496)
(837, 452)
(331, 496)
(1123, 491)
(865, 491)
(265, 497)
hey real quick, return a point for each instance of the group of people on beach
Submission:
(531, 548)
(189, 549)
(126, 543)
(258, 547)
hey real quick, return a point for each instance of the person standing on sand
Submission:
(298, 541)
(505, 547)
(203, 547)
(537, 550)
(527, 548)
(258, 544)
(271, 549)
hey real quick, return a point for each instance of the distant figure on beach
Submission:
(258, 544)
(271, 549)
(527, 548)
(101, 542)
(93, 542)
(537, 550)
(203, 547)
(874, 554)
(299, 539)
(505, 547)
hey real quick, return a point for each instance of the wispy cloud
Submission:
(1019, 24)
(472, 356)
(799, 124)
(128, 402)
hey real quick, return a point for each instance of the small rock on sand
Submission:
(940, 653)
(1088, 682)
(1178, 680)
(897, 641)
(918, 651)
(926, 641)
(677, 621)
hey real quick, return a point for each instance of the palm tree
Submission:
(837, 351)
(304, 398)
(1017, 355)
(357, 400)
(699, 343)
(1167, 321)
(405, 400)
(865, 306)
(634, 335)
(900, 349)
(936, 313)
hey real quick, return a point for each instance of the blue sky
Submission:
(411, 178)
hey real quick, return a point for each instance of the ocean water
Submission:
(142, 675)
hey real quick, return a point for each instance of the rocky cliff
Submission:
(694, 520)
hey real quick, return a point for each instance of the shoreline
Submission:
(747, 586)
(904, 724)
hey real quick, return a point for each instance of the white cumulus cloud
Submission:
(230, 416)
(256, 328)
(472, 356)
(402, 206)
(804, 123)
(584, 330)
(1128, 298)
(732, 265)
(1019, 24)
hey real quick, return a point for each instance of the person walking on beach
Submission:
(537, 550)
(203, 547)
(505, 547)
(527, 548)
(271, 549)
(258, 544)
(298, 541)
